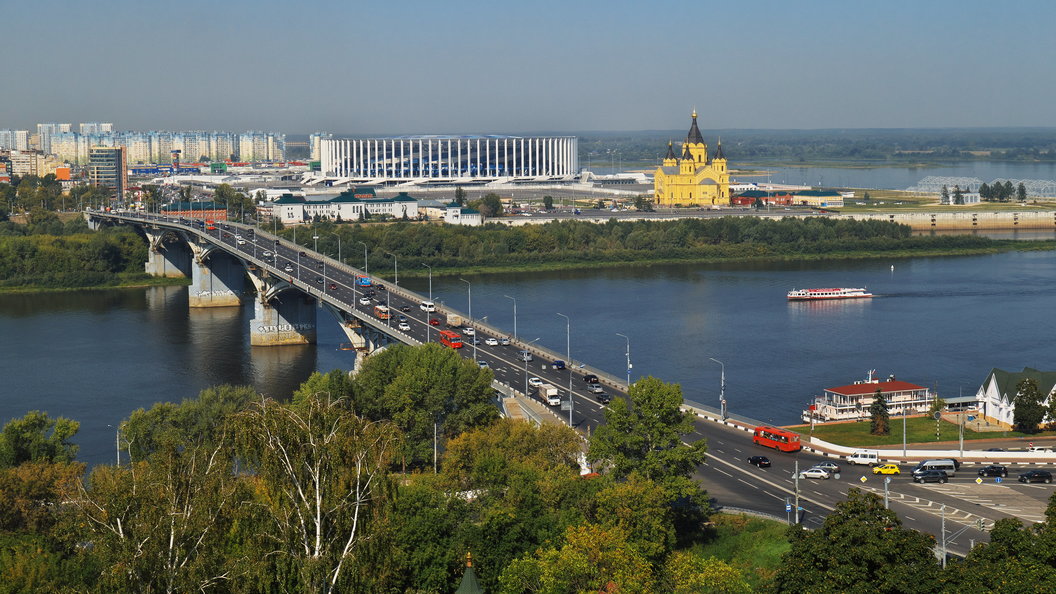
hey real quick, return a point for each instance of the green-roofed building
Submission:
(994, 400)
(469, 584)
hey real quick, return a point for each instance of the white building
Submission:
(994, 399)
(45, 132)
(852, 402)
(450, 157)
(295, 210)
(261, 146)
(14, 140)
(96, 127)
(459, 215)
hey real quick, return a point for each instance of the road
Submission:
(726, 475)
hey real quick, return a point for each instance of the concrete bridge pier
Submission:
(168, 255)
(364, 339)
(218, 279)
(282, 314)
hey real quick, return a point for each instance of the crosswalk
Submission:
(996, 498)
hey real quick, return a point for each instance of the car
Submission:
(760, 461)
(602, 397)
(321, 265)
(427, 306)
(930, 476)
(832, 467)
(994, 450)
(590, 378)
(993, 470)
(405, 308)
(364, 300)
(333, 286)
(210, 228)
(1036, 476)
(404, 326)
(304, 255)
(241, 241)
(401, 318)
(535, 382)
(814, 473)
(491, 341)
(288, 268)
(595, 388)
(369, 293)
(434, 321)
(504, 341)
(379, 286)
(526, 356)
(481, 363)
(267, 254)
(468, 331)
(887, 469)
(558, 364)
(474, 340)
(319, 279)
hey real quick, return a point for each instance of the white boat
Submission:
(833, 293)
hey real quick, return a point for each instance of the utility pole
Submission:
(944, 536)
(887, 480)
(795, 510)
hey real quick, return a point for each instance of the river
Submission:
(96, 356)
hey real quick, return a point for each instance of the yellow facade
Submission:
(692, 179)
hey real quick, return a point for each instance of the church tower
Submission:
(692, 179)
(670, 160)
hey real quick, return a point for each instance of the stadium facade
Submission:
(451, 158)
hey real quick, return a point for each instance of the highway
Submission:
(727, 476)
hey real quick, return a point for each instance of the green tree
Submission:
(37, 438)
(460, 196)
(958, 195)
(861, 547)
(1028, 410)
(984, 192)
(548, 202)
(937, 405)
(643, 203)
(879, 417)
(687, 573)
(491, 205)
(866, 197)
(944, 196)
(1021, 192)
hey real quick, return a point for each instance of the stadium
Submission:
(447, 159)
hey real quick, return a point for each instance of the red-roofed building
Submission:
(852, 402)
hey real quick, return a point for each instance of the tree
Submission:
(321, 476)
(37, 438)
(643, 203)
(491, 205)
(861, 547)
(958, 195)
(687, 573)
(944, 196)
(936, 405)
(984, 192)
(879, 416)
(460, 196)
(866, 197)
(1028, 409)
(1021, 192)
(548, 202)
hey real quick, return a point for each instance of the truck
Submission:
(549, 393)
(454, 320)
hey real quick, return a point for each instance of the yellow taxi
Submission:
(886, 469)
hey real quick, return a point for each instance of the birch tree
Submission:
(320, 474)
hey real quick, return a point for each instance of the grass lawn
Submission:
(919, 430)
(752, 545)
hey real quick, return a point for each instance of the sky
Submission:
(469, 66)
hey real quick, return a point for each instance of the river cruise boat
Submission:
(822, 294)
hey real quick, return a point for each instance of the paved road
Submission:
(726, 474)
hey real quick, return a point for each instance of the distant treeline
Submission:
(47, 253)
(895, 145)
(575, 243)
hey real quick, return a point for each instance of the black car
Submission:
(993, 470)
(760, 461)
(603, 397)
(321, 265)
(994, 450)
(319, 279)
(590, 378)
(369, 293)
(930, 476)
(1036, 476)
(405, 308)
(304, 255)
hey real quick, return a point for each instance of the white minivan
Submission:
(948, 466)
(427, 306)
(863, 457)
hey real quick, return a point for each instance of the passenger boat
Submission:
(835, 293)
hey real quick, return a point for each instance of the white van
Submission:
(1039, 449)
(948, 466)
(427, 306)
(863, 457)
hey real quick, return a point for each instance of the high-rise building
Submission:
(45, 132)
(315, 139)
(17, 140)
(108, 167)
(96, 127)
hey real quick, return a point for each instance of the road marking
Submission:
(910, 518)
(722, 471)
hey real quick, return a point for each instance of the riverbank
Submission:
(132, 283)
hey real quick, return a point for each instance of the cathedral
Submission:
(693, 179)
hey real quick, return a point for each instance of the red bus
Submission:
(451, 339)
(779, 439)
(382, 311)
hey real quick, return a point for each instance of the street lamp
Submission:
(722, 389)
(395, 268)
(628, 360)
(315, 236)
(428, 326)
(524, 357)
(338, 247)
(366, 271)
(568, 363)
(470, 289)
(514, 315)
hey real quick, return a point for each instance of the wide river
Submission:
(96, 356)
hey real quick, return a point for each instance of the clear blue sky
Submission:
(465, 66)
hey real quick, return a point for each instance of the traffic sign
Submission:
(887, 480)
(997, 480)
(788, 507)
(863, 479)
(979, 481)
(971, 418)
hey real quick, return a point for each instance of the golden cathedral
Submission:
(692, 179)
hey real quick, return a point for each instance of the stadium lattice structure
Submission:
(932, 184)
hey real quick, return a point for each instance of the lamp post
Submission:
(524, 357)
(338, 247)
(628, 360)
(395, 269)
(469, 286)
(315, 247)
(722, 388)
(428, 326)
(514, 315)
(568, 363)
(365, 269)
